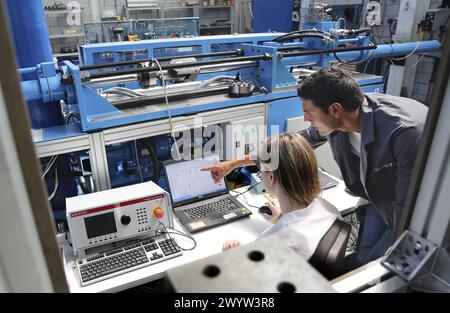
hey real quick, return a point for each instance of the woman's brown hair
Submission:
(297, 170)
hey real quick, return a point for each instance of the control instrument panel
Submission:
(108, 216)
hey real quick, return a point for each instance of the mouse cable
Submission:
(245, 199)
(241, 193)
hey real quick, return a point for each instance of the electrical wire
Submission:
(418, 61)
(163, 82)
(405, 57)
(301, 36)
(155, 163)
(355, 62)
(56, 185)
(123, 91)
(177, 232)
(137, 160)
(49, 165)
(213, 80)
(304, 31)
(367, 65)
(245, 199)
(72, 115)
(244, 192)
(336, 25)
(251, 187)
(387, 71)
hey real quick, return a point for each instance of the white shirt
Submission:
(355, 143)
(303, 229)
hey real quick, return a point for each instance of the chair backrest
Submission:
(328, 258)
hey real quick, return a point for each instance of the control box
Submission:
(373, 17)
(435, 24)
(122, 213)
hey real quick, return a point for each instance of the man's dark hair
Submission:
(330, 85)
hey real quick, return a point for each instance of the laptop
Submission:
(326, 181)
(197, 201)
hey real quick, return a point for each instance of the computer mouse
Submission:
(265, 210)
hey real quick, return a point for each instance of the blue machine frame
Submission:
(271, 72)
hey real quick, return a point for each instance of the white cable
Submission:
(212, 80)
(138, 163)
(123, 91)
(418, 61)
(336, 25)
(367, 65)
(404, 58)
(163, 82)
(393, 73)
(356, 62)
(56, 185)
(50, 164)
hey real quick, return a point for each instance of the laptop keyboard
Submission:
(217, 206)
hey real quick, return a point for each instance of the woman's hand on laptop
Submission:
(220, 170)
(230, 244)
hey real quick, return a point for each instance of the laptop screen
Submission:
(187, 182)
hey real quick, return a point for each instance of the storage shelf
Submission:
(56, 12)
(157, 8)
(214, 7)
(65, 54)
(67, 35)
(58, 38)
(212, 27)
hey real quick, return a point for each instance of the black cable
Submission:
(177, 232)
(72, 115)
(241, 193)
(305, 31)
(359, 31)
(155, 162)
(354, 62)
(301, 36)
(252, 206)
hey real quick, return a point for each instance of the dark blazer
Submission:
(391, 128)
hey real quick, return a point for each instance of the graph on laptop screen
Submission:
(187, 181)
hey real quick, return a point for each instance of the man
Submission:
(374, 139)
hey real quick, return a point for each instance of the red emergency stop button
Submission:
(158, 212)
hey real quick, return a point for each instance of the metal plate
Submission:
(267, 265)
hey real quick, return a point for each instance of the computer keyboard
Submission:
(218, 206)
(124, 259)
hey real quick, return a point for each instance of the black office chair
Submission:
(328, 258)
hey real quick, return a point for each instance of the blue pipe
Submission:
(31, 90)
(27, 70)
(382, 51)
(401, 49)
(32, 45)
(30, 32)
(47, 89)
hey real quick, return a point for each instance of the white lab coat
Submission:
(303, 229)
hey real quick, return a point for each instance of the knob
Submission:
(125, 219)
(158, 212)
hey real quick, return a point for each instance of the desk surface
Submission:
(209, 242)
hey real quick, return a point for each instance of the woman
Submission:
(301, 219)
